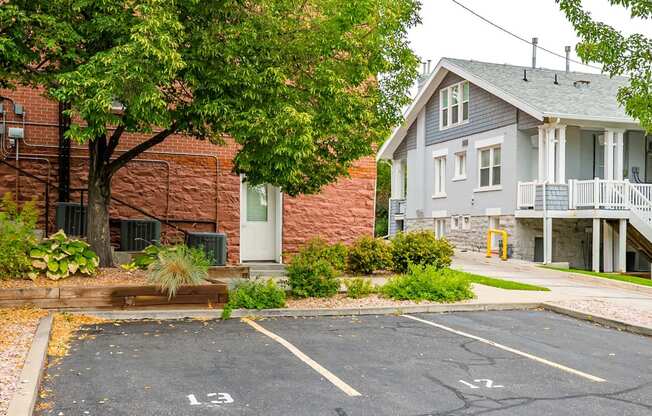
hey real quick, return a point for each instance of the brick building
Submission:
(187, 182)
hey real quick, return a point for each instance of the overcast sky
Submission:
(450, 31)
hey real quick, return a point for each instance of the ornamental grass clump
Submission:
(177, 266)
(254, 295)
(430, 284)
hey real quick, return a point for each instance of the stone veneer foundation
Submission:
(570, 238)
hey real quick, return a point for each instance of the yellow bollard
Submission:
(504, 234)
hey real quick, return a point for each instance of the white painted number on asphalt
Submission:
(216, 398)
(487, 383)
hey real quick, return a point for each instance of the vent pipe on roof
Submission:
(567, 49)
(429, 62)
(535, 41)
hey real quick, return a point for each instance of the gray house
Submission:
(549, 156)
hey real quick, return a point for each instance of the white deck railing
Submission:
(594, 194)
(527, 192)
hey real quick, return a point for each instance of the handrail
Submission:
(48, 184)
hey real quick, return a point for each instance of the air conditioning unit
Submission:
(137, 234)
(213, 244)
(71, 218)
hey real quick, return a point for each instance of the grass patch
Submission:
(501, 283)
(612, 276)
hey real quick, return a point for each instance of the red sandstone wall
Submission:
(192, 191)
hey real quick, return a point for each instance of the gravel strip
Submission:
(611, 310)
(341, 301)
(17, 327)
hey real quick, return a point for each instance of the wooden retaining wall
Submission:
(122, 297)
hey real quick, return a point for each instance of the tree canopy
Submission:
(305, 87)
(619, 54)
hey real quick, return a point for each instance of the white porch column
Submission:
(596, 245)
(542, 154)
(619, 162)
(397, 179)
(561, 155)
(550, 154)
(621, 263)
(547, 240)
(607, 247)
(609, 155)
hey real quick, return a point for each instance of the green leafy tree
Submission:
(305, 87)
(383, 191)
(619, 54)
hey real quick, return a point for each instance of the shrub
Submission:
(421, 248)
(254, 295)
(428, 283)
(148, 256)
(358, 288)
(16, 237)
(337, 255)
(309, 277)
(368, 254)
(60, 256)
(176, 266)
(318, 249)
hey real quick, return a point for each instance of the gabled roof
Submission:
(539, 96)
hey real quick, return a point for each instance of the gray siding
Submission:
(556, 197)
(409, 142)
(486, 112)
(526, 121)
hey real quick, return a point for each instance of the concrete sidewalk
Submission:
(629, 302)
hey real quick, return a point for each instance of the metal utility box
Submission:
(135, 235)
(213, 244)
(71, 218)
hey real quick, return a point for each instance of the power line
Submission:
(497, 26)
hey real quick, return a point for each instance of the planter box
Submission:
(120, 297)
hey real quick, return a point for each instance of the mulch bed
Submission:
(113, 276)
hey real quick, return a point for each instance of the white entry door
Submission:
(258, 217)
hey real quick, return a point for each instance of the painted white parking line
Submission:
(509, 349)
(303, 357)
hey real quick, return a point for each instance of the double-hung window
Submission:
(454, 105)
(440, 177)
(489, 167)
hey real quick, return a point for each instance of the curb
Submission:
(599, 319)
(603, 281)
(23, 401)
(269, 313)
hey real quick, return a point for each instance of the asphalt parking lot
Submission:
(473, 363)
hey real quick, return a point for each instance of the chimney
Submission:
(423, 77)
(535, 41)
(567, 49)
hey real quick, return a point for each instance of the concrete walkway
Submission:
(631, 303)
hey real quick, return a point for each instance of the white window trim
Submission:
(489, 187)
(439, 214)
(461, 177)
(464, 226)
(441, 158)
(457, 226)
(460, 105)
(490, 142)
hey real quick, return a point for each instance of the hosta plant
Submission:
(59, 257)
(148, 256)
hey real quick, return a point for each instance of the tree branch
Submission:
(114, 140)
(124, 158)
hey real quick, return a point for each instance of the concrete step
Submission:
(268, 273)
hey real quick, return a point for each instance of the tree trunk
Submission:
(99, 199)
